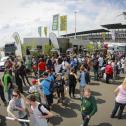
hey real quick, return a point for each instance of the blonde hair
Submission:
(87, 89)
(124, 84)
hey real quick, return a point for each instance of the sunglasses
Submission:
(14, 95)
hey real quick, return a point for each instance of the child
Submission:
(88, 106)
(60, 87)
(34, 89)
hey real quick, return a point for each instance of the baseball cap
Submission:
(34, 81)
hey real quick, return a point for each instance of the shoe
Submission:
(112, 116)
(119, 117)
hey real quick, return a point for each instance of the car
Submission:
(2, 62)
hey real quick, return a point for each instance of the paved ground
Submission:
(70, 115)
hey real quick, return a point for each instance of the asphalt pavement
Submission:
(69, 115)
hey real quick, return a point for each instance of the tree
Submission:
(47, 49)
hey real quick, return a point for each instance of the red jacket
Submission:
(108, 69)
(42, 66)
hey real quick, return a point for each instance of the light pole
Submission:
(75, 15)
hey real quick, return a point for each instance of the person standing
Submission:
(108, 72)
(120, 100)
(101, 61)
(2, 93)
(7, 83)
(41, 66)
(95, 67)
(83, 79)
(18, 79)
(23, 74)
(16, 107)
(39, 115)
(88, 106)
(72, 83)
(64, 65)
(59, 82)
(45, 87)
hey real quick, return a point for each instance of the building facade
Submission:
(109, 33)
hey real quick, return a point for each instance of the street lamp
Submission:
(75, 14)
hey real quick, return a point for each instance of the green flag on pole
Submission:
(55, 24)
(40, 31)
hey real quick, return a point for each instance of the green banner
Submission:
(55, 24)
(40, 31)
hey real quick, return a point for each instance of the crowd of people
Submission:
(54, 76)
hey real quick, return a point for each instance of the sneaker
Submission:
(112, 116)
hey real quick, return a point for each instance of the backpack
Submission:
(45, 106)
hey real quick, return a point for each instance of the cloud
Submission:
(24, 16)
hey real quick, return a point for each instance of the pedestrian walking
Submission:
(39, 115)
(88, 106)
(120, 100)
(16, 107)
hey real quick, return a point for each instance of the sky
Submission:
(25, 16)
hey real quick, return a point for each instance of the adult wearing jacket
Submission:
(23, 74)
(41, 66)
(95, 67)
(88, 106)
(18, 79)
(72, 83)
(108, 72)
(120, 100)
